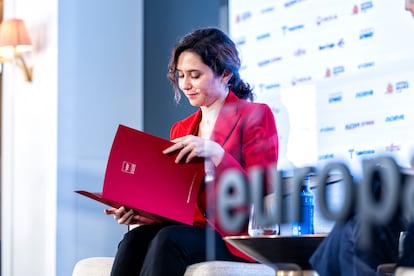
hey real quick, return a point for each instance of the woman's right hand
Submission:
(127, 217)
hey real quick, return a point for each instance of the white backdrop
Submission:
(337, 74)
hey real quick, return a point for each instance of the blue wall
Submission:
(99, 86)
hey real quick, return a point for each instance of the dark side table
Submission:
(285, 253)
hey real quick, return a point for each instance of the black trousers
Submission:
(158, 250)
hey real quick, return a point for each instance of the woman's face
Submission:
(198, 82)
(409, 6)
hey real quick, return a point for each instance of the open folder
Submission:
(139, 176)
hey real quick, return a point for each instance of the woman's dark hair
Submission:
(218, 52)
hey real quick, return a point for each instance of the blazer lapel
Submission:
(193, 125)
(227, 119)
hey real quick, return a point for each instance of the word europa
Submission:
(235, 192)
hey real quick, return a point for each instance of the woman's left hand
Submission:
(191, 146)
(128, 216)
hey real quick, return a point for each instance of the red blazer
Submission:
(247, 132)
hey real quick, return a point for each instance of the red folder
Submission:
(139, 176)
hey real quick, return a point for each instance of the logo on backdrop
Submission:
(243, 17)
(263, 36)
(240, 41)
(289, 4)
(325, 19)
(364, 94)
(366, 33)
(393, 147)
(364, 7)
(269, 61)
(356, 125)
(394, 118)
(270, 86)
(326, 156)
(299, 80)
(331, 45)
(366, 65)
(400, 86)
(289, 29)
(335, 97)
(357, 153)
(267, 10)
(327, 129)
(299, 52)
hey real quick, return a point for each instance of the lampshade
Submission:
(14, 38)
